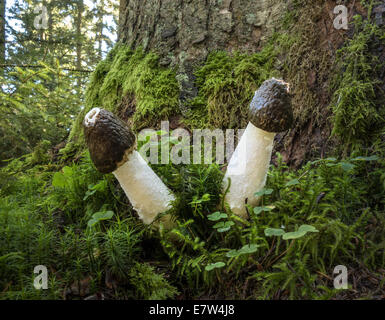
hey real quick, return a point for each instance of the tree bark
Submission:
(183, 32)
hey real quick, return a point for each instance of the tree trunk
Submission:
(184, 32)
(79, 40)
(100, 28)
(2, 31)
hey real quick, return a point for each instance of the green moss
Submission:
(337, 198)
(153, 90)
(359, 116)
(305, 58)
(226, 86)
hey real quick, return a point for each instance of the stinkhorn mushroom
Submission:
(112, 148)
(270, 112)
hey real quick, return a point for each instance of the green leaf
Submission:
(263, 192)
(346, 166)
(371, 158)
(217, 216)
(67, 171)
(213, 266)
(249, 248)
(232, 254)
(92, 189)
(258, 210)
(223, 226)
(292, 183)
(100, 216)
(293, 235)
(269, 232)
(101, 186)
(88, 194)
(59, 180)
(104, 215)
(302, 230)
(205, 198)
(92, 222)
(307, 228)
(331, 164)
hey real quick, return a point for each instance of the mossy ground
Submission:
(79, 224)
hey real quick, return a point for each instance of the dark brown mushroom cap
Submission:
(271, 108)
(108, 139)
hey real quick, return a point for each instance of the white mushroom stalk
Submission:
(112, 149)
(270, 112)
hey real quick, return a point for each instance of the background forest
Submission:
(324, 202)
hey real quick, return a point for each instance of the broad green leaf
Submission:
(263, 192)
(68, 171)
(307, 228)
(59, 180)
(331, 164)
(269, 232)
(371, 158)
(92, 222)
(249, 248)
(104, 215)
(292, 183)
(88, 194)
(293, 235)
(205, 198)
(346, 166)
(302, 230)
(217, 216)
(232, 254)
(101, 186)
(213, 266)
(223, 226)
(258, 210)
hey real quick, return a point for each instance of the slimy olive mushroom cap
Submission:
(108, 138)
(271, 108)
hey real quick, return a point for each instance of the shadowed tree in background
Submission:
(43, 69)
(2, 32)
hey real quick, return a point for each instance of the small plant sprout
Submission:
(270, 112)
(112, 148)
